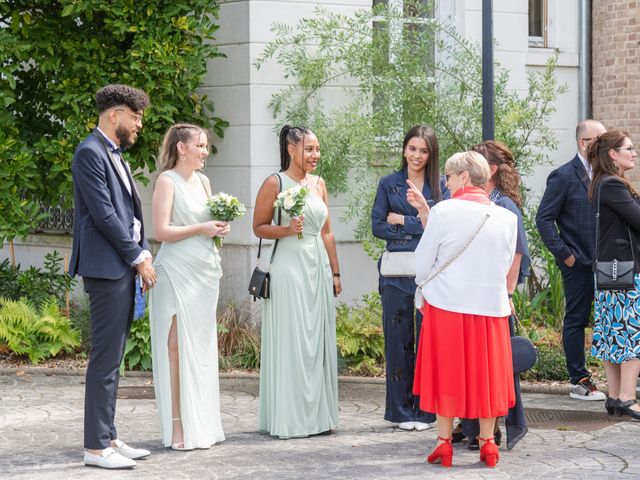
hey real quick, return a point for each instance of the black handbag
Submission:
(615, 274)
(524, 353)
(259, 284)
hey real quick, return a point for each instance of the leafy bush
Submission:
(238, 342)
(408, 70)
(54, 56)
(359, 336)
(38, 333)
(137, 352)
(36, 285)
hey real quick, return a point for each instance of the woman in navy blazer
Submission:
(394, 220)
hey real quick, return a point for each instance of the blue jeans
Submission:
(578, 291)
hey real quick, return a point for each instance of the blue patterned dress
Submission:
(616, 334)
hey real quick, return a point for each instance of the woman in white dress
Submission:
(183, 304)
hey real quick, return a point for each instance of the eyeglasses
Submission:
(630, 149)
(137, 116)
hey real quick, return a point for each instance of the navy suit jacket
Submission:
(566, 219)
(392, 197)
(103, 245)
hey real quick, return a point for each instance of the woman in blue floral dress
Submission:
(616, 334)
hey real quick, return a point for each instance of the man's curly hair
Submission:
(116, 94)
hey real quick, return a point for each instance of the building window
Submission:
(538, 23)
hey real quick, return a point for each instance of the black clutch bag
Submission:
(524, 353)
(259, 284)
(615, 275)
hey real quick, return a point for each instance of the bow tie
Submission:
(117, 150)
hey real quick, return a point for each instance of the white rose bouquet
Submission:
(225, 208)
(292, 201)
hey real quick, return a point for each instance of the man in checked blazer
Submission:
(566, 222)
(109, 250)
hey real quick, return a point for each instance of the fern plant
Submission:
(359, 335)
(37, 333)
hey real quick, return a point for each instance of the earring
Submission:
(182, 159)
(615, 165)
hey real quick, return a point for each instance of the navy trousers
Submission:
(111, 311)
(578, 291)
(401, 325)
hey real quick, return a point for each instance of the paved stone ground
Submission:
(41, 438)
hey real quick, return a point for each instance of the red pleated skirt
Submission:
(464, 367)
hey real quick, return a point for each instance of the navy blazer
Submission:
(391, 196)
(103, 245)
(566, 219)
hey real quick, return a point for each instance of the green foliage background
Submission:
(401, 69)
(54, 56)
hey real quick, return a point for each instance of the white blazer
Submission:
(476, 281)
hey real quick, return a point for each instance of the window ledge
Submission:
(539, 56)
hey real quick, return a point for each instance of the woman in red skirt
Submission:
(462, 262)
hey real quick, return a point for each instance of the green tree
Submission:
(54, 56)
(407, 69)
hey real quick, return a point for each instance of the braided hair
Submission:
(290, 135)
(181, 132)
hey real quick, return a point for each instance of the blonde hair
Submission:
(181, 132)
(471, 162)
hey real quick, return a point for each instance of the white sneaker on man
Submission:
(109, 459)
(585, 389)
(130, 452)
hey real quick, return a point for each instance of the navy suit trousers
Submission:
(578, 290)
(111, 309)
(401, 325)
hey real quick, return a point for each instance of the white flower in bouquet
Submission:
(292, 201)
(225, 208)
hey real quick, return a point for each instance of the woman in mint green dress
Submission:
(298, 363)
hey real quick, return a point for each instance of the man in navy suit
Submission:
(566, 221)
(109, 250)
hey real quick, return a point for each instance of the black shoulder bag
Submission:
(616, 274)
(260, 279)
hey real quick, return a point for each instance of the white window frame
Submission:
(541, 41)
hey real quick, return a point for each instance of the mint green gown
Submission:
(298, 362)
(189, 274)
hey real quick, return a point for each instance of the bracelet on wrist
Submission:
(510, 295)
(336, 274)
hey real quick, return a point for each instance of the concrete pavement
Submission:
(41, 438)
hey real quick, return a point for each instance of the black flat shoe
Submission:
(624, 408)
(475, 445)
(457, 436)
(611, 406)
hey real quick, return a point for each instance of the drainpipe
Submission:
(584, 60)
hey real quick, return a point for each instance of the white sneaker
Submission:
(407, 425)
(130, 452)
(420, 426)
(109, 459)
(586, 390)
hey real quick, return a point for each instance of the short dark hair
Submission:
(116, 94)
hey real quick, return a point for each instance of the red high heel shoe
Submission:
(442, 453)
(489, 453)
